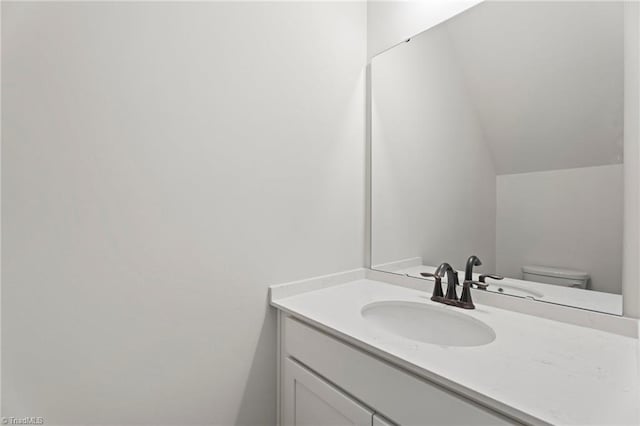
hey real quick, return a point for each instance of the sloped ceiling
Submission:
(547, 81)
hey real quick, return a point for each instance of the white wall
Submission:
(162, 164)
(391, 22)
(433, 179)
(545, 77)
(565, 218)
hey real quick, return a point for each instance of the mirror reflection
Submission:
(499, 133)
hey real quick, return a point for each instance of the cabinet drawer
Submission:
(392, 392)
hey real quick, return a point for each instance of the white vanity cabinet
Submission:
(310, 401)
(325, 381)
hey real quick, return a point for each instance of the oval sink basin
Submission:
(437, 325)
(514, 290)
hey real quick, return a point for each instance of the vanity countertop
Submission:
(546, 372)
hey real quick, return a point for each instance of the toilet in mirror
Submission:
(500, 133)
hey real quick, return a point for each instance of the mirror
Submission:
(499, 133)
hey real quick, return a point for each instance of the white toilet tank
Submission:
(557, 276)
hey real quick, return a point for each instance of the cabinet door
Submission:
(308, 400)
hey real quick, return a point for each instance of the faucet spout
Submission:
(471, 262)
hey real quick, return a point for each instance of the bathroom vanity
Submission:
(359, 351)
(486, 146)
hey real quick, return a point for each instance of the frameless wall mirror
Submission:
(499, 133)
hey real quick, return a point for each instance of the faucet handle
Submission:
(437, 286)
(479, 285)
(492, 276)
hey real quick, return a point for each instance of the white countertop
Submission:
(550, 371)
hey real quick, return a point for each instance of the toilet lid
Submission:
(549, 271)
